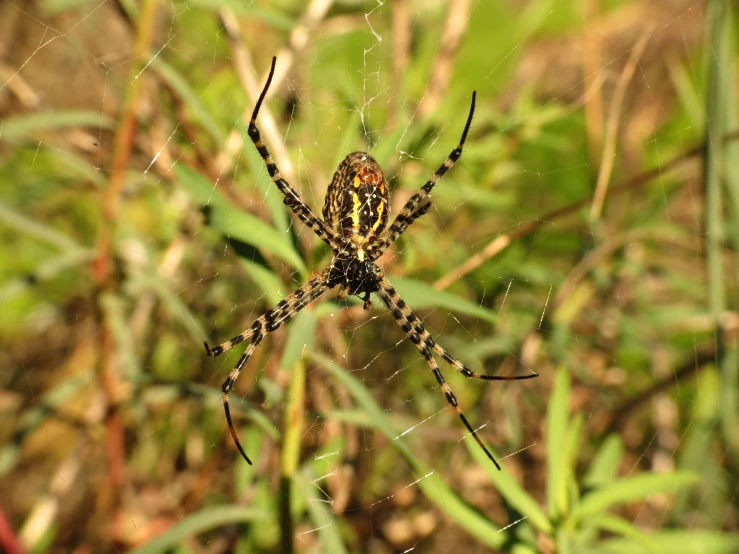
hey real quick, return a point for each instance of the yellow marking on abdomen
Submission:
(380, 209)
(356, 205)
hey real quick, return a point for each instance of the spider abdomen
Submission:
(358, 198)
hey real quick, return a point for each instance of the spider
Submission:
(355, 215)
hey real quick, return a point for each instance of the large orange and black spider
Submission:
(354, 218)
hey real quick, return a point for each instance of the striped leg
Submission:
(270, 321)
(417, 334)
(292, 198)
(410, 207)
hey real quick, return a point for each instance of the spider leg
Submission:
(417, 334)
(407, 213)
(467, 372)
(376, 249)
(367, 301)
(283, 312)
(292, 198)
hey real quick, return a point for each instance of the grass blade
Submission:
(421, 295)
(324, 521)
(234, 223)
(181, 86)
(23, 127)
(693, 541)
(556, 431)
(604, 467)
(631, 489)
(719, 64)
(513, 493)
(627, 529)
(200, 522)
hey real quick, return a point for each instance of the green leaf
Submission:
(421, 295)
(301, 336)
(571, 445)
(234, 223)
(25, 126)
(631, 489)
(557, 476)
(627, 529)
(604, 467)
(695, 542)
(271, 16)
(269, 283)
(55, 7)
(38, 230)
(252, 230)
(430, 483)
(182, 87)
(507, 486)
(200, 522)
(324, 521)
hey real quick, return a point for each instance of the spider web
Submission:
(499, 277)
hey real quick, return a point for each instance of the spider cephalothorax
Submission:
(354, 273)
(354, 219)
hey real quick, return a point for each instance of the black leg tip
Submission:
(212, 352)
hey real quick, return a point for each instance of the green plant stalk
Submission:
(719, 65)
(294, 412)
(730, 364)
(720, 167)
(557, 421)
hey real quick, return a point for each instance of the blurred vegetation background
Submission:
(589, 233)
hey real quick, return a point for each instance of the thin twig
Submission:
(458, 16)
(243, 64)
(612, 124)
(401, 38)
(299, 36)
(591, 64)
